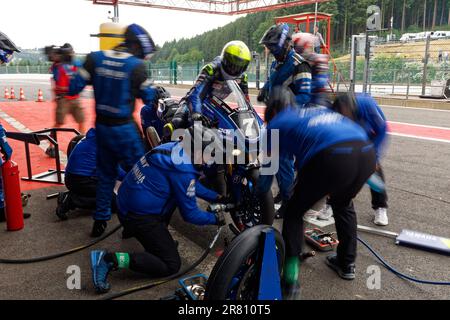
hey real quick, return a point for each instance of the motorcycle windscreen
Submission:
(247, 122)
(236, 99)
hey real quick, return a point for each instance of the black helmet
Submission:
(280, 98)
(208, 138)
(346, 105)
(277, 40)
(136, 35)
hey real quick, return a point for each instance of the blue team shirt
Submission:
(307, 132)
(156, 185)
(371, 118)
(83, 159)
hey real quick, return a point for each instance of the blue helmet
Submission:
(139, 42)
(7, 48)
(278, 40)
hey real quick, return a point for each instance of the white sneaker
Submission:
(381, 218)
(325, 213)
(311, 215)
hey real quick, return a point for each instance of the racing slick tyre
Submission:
(235, 275)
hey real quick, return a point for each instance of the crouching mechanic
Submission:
(335, 158)
(119, 76)
(365, 111)
(81, 177)
(165, 178)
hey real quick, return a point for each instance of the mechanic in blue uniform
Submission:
(335, 158)
(147, 199)
(6, 150)
(291, 71)
(365, 111)
(118, 76)
(150, 116)
(7, 49)
(81, 177)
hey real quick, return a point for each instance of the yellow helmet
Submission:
(236, 57)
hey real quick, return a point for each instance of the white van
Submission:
(408, 37)
(441, 35)
(424, 35)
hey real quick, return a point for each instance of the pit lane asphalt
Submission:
(411, 165)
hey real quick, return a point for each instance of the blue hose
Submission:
(398, 273)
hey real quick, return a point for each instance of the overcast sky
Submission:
(37, 23)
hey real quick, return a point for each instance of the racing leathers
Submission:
(210, 82)
(295, 73)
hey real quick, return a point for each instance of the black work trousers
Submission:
(379, 199)
(161, 257)
(339, 172)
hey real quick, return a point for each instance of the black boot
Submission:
(63, 205)
(51, 152)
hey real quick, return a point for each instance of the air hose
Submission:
(61, 254)
(156, 283)
(398, 273)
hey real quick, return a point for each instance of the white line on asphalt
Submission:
(418, 137)
(22, 128)
(420, 125)
(412, 108)
(29, 81)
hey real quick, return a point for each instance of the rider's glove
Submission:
(199, 117)
(220, 219)
(98, 229)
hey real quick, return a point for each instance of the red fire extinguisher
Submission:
(13, 199)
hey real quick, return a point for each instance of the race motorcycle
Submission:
(239, 125)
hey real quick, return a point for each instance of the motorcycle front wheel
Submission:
(235, 274)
